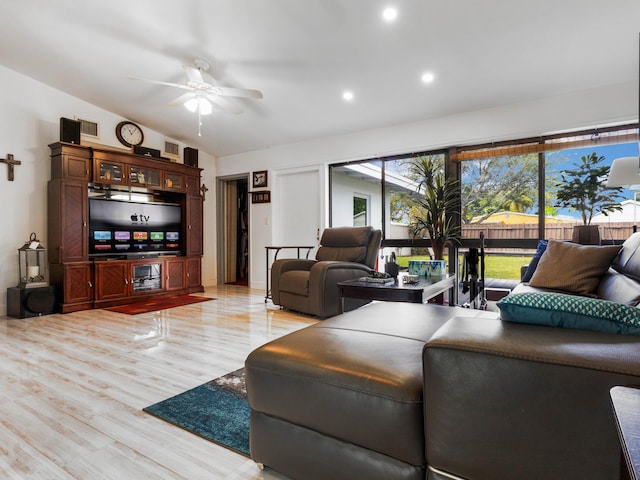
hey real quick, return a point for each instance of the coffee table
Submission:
(424, 290)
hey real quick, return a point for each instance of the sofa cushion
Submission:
(573, 268)
(356, 377)
(570, 311)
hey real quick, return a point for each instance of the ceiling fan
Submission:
(203, 97)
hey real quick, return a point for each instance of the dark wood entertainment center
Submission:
(83, 281)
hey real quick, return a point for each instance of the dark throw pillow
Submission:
(542, 247)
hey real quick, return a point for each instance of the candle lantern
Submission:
(32, 263)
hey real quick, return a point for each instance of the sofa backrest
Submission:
(350, 244)
(628, 260)
(622, 282)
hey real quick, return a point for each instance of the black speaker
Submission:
(147, 152)
(70, 130)
(30, 302)
(191, 156)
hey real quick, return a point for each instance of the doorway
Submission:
(235, 235)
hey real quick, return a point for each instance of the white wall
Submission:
(31, 113)
(30, 121)
(575, 110)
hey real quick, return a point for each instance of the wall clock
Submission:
(129, 134)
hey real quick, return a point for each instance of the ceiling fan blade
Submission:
(181, 99)
(194, 75)
(236, 92)
(220, 104)
(166, 84)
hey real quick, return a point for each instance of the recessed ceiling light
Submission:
(347, 96)
(427, 77)
(389, 14)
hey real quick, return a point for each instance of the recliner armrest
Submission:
(336, 271)
(324, 277)
(287, 264)
(336, 264)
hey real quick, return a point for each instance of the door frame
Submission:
(221, 232)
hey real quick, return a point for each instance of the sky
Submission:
(558, 161)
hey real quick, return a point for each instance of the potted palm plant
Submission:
(584, 190)
(435, 200)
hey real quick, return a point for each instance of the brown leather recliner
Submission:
(310, 286)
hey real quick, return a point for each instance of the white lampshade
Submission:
(625, 172)
(200, 104)
(205, 106)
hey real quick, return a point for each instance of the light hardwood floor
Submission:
(72, 388)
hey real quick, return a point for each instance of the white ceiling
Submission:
(302, 54)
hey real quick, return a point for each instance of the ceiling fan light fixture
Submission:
(191, 105)
(205, 106)
(199, 104)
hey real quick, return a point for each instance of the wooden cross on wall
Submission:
(10, 163)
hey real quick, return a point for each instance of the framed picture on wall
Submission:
(260, 179)
(261, 197)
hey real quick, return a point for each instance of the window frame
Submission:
(453, 156)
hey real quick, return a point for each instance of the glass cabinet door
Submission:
(173, 181)
(146, 277)
(109, 172)
(148, 177)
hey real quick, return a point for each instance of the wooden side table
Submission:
(626, 409)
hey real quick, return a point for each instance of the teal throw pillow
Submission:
(570, 311)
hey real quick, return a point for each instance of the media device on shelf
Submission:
(125, 229)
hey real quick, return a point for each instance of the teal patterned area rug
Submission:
(217, 411)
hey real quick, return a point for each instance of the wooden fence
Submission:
(557, 231)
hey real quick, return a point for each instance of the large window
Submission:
(508, 191)
(499, 196)
(516, 190)
(569, 154)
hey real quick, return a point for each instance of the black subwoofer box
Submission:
(191, 156)
(30, 302)
(69, 130)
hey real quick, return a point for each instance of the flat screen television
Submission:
(123, 228)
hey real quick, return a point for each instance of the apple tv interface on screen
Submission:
(120, 227)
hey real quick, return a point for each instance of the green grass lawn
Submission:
(495, 266)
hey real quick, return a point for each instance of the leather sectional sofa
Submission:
(409, 391)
